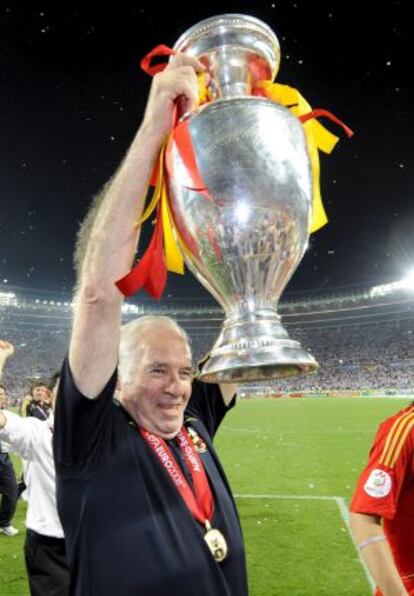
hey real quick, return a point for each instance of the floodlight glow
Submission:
(130, 308)
(408, 281)
(8, 299)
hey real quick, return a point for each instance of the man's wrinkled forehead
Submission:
(172, 351)
(159, 336)
(161, 349)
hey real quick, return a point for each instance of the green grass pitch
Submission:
(293, 464)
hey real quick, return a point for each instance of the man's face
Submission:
(159, 387)
(40, 393)
(3, 398)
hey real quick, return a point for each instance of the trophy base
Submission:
(255, 348)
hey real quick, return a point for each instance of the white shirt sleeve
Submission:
(20, 433)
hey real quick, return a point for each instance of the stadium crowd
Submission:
(39, 352)
(352, 357)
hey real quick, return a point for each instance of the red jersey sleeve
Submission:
(390, 459)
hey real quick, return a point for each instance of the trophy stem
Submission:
(254, 346)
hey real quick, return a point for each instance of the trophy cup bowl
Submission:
(245, 238)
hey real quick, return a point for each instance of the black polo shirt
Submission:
(128, 531)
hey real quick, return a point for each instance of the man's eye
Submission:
(158, 370)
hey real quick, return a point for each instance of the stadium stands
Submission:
(362, 339)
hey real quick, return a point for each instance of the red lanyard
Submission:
(200, 502)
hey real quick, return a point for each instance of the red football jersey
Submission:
(386, 489)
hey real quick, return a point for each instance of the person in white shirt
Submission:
(44, 549)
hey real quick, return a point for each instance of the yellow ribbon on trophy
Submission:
(317, 137)
(173, 257)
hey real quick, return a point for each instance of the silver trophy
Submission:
(247, 237)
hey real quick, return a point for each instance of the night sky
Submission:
(72, 95)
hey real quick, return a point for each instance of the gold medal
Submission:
(216, 543)
(200, 500)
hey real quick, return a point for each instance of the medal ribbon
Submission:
(200, 502)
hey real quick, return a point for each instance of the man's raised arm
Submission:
(6, 350)
(108, 237)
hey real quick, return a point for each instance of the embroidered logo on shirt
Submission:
(378, 484)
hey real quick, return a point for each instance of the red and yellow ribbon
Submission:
(166, 246)
(317, 136)
(163, 252)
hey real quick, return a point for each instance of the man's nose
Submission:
(175, 385)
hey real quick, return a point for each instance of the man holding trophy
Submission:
(131, 526)
(143, 499)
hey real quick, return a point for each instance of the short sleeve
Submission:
(207, 403)
(379, 486)
(81, 424)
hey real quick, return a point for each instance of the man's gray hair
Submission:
(130, 332)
